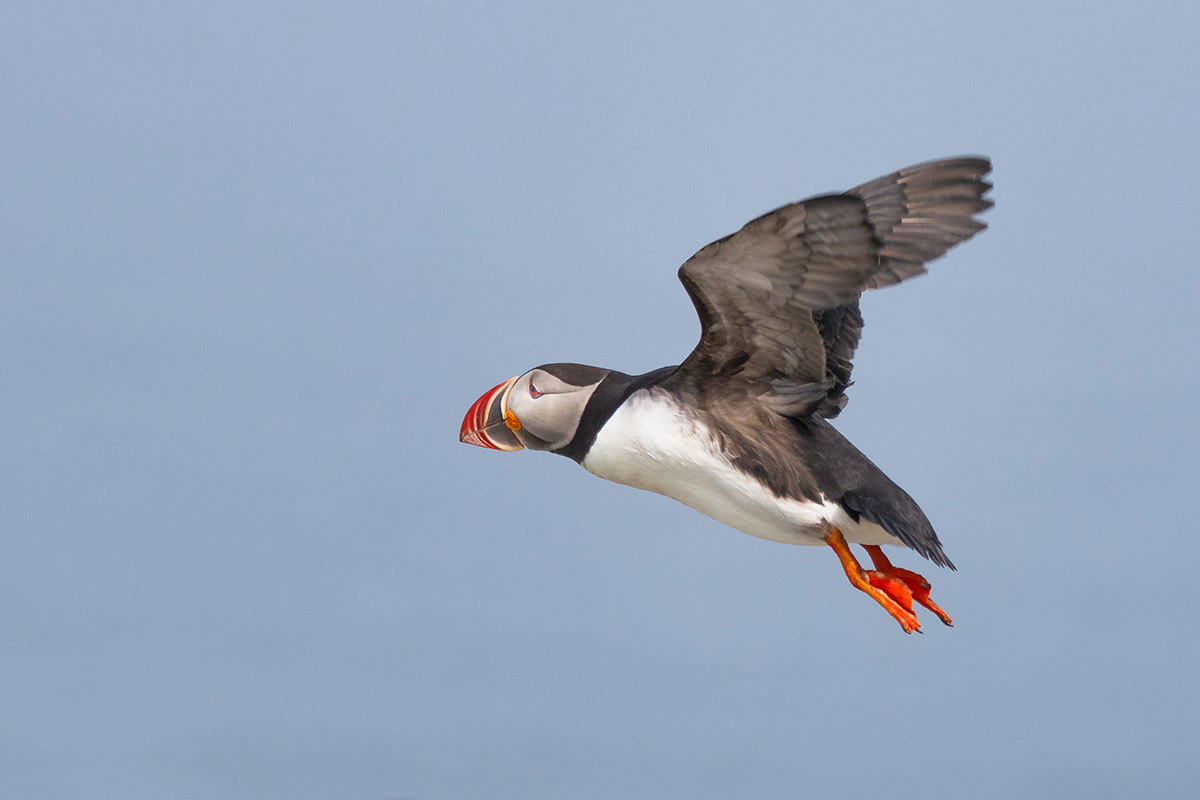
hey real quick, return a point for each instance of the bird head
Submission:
(540, 410)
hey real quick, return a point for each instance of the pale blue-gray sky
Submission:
(258, 260)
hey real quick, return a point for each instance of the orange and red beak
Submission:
(485, 424)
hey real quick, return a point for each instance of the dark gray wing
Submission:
(778, 300)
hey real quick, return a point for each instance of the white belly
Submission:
(654, 444)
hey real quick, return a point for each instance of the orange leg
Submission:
(890, 592)
(916, 584)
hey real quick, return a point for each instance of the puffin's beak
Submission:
(484, 424)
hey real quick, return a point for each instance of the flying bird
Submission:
(740, 430)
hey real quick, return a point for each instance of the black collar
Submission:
(605, 400)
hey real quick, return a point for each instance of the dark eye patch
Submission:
(533, 392)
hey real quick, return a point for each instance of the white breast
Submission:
(654, 443)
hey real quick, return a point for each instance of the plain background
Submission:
(258, 259)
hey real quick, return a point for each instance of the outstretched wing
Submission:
(778, 300)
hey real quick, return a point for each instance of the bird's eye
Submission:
(533, 392)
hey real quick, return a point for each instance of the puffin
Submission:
(740, 429)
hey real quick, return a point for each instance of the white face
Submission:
(548, 408)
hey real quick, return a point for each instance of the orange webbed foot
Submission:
(917, 586)
(890, 591)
